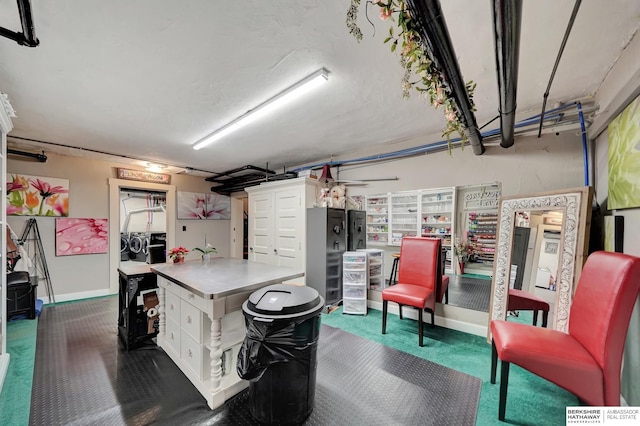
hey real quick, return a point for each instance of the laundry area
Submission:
(143, 234)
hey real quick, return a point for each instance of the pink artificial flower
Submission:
(439, 100)
(450, 116)
(385, 13)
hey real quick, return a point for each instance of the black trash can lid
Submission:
(281, 301)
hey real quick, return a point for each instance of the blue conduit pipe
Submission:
(585, 153)
(549, 116)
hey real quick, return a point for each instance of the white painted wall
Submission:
(75, 276)
(531, 165)
(620, 87)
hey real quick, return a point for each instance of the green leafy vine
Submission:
(420, 72)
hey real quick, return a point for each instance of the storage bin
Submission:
(354, 306)
(356, 291)
(21, 295)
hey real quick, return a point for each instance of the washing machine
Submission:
(124, 246)
(138, 246)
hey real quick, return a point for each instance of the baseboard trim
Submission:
(78, 296)
(4, 366)
(452, 324)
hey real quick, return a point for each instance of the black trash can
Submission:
(278, 355)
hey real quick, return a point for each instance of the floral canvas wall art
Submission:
(624, 158)
(81, 236)
(194, 205)
(37, 196)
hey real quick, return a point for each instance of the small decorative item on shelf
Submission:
(463, 252)
(177, 254)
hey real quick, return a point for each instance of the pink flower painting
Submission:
(37, 196)
(81, 236)
(193, 205)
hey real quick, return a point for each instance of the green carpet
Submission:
(482, 277)
(530, 401)
(15, 399)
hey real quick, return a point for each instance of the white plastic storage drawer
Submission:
(354, 306)
(355, 266)
(355, 277)
(375, 270)
(376, 283)
(355, 291)
(354, 257)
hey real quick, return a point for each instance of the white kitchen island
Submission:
(201, 326)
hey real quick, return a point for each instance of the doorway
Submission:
(116, 187)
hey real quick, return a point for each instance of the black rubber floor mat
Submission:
(470, 293)
(83, 376)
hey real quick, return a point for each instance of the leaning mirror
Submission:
(561, 221)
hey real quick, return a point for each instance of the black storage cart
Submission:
(21, 295)
(137, 316)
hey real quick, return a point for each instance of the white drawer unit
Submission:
(201, 326)
(172, 306)
(191, 321)
(173, 335)
(355, 280)
(375, 262)
(191, 353)
(192, 335)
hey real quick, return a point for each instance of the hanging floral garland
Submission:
(420, 72)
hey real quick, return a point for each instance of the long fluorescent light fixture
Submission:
(291, 93)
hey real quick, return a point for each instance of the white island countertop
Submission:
(221, 276)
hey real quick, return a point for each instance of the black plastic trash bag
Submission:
(278, 355)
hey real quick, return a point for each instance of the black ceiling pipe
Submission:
(574, 13)
(435, 35)
(40, 157)
(28, 35)
(507, 17)
(26, 19)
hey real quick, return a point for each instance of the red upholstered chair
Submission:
(442, 284)
(419, 273)
(520, 300)
(587, 360)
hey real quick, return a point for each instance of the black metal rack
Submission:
(134, 321)
(237, 179)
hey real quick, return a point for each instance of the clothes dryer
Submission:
(124, 246)
(138, 246)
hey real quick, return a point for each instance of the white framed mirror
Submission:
(574, 207)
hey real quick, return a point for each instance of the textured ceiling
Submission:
(147, 79)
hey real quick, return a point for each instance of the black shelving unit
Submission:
(135, 325)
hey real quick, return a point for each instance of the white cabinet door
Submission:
(277, 222)
(261, 227)
(289, 228)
